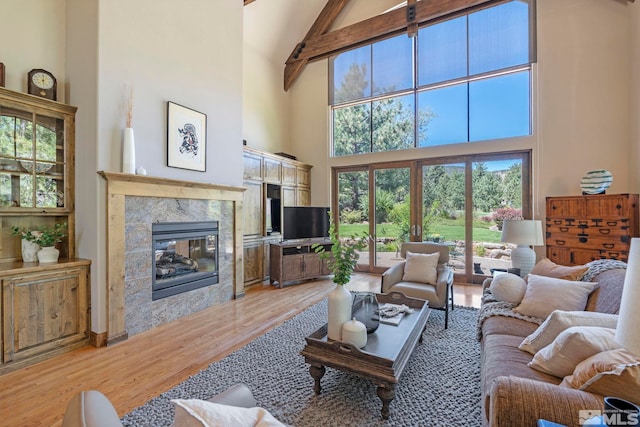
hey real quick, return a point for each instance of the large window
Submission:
(461, 80)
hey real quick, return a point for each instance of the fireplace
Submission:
(185, 257)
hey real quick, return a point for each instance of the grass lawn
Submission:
(447, 229)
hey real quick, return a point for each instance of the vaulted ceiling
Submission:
(300, 31)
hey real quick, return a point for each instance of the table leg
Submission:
(386, 394)
(317, 372)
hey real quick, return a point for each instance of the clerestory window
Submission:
(464, 79)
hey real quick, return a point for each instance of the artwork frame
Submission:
(186, 138)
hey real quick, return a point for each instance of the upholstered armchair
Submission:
(424, 274)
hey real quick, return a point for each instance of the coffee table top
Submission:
(387, 350)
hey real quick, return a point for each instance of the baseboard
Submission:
(98, 339)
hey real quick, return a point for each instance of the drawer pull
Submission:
(557, 221)
(564, 229)
(608, 245)
(583, 223)
(582, 239)
(612, 223)
(560, 242)
(605, 230)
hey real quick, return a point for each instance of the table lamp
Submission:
(524, 234)
(629, 318)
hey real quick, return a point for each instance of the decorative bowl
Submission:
(40, 167)
(596, 181)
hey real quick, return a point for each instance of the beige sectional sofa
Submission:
(514, 394)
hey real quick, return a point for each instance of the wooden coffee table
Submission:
(384, 357)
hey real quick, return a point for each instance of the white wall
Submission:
(188, 52)
(266, 105)
(583, 102)
(33, 36)
(634, 95)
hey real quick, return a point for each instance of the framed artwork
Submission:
(186, 138)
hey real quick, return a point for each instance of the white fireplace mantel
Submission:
(121, 185)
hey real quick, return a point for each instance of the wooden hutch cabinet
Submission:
(272, 182)
(580, 229)
(44, 307)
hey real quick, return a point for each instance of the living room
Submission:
(205, 55)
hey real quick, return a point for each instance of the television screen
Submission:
(305, 222)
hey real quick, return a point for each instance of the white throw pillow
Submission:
(199, 413)
(545, 294)
(421, 268)
(508, 287)
(560, 320)
(571, 347)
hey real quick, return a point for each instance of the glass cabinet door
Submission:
(32, 160)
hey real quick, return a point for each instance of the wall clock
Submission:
(42, 83)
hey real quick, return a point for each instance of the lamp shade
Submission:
(522, 232)
(629, 318)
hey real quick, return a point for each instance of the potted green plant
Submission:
(341, 260)
(45, 237)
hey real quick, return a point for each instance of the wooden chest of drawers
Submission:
(580, 229)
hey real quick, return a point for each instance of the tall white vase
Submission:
(339, 302)
(128, 152)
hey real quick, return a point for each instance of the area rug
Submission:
(439, 387)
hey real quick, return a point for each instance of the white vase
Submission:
(29, 251)
(48, 255)
(128, 152)
(339, 311)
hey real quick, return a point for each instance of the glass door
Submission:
(392, 214)
(353, 207)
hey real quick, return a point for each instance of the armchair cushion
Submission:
(198, 413)
(421, 268)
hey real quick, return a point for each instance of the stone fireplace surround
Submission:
(133, 203)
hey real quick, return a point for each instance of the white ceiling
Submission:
(274, 27)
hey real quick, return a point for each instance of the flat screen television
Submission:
(305, 222)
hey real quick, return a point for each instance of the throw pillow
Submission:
(545, 294)
(548, 268)
(571, 347)
(560, 320)
(609, 373)
(421, 268)
(199, 413)
(508, 287)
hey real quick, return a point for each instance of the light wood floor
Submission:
(133, 371)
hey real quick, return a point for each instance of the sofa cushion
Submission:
(199, 413)
(609, 373)
(508, 287)
(504, 325)
(606, 298)
(558, 321)
(545, 294)
(501, 356)
(421, 268)
(572, 346)
(546, 267)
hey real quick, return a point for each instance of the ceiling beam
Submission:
(392, 22)
(322, 24)
(246, 2)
